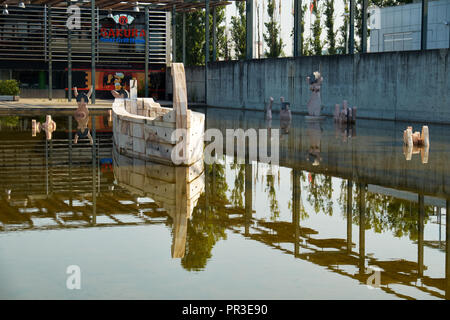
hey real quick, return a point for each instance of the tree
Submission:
(331, 38)
(317, 45)
(195, 37)
(343, 30)
(305, 47)
(238, 28)
(222, 39)
(271, 37)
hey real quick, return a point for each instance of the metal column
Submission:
(351, 42)
(349, 215)
(424, 28)
(214, 32)
(249, 29)
(174, 34)
(93, 37)
(50, 58)
(147, 30)
(447, 249)
(184, 38)
(362, 228)
(248, 195)
(298, 40)
(420, 229)
(69, 62)
(94, 173)
(364, 26)
(206, 48)
(296, 199)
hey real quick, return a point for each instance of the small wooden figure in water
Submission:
(415, 143)
(49, 126)
(416, 138)
(315, 102)
(346, 115)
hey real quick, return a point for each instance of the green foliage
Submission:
(195, 38)
(9, 88)
(270, 188)
(238, 35)
(343, 30)
(239, 184)
(10, 121)
(272, 37)
(317, 44)
(206, 228)
(329, 23)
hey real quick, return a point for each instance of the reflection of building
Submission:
(398, 28)
(176, 189)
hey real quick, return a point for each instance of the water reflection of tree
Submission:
(239, 184)
(320, 191)
(270, 188)
(9, 122)
(204, 229)
(385, 213)
(303, 213)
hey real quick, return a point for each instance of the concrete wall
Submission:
(195, 82)
(407, 85)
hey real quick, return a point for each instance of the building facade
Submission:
(398, 28)
(36, 41)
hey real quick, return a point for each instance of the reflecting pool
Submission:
(348, 214)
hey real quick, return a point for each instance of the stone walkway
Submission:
(34, 106)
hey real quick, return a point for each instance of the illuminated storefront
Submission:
(35, 42)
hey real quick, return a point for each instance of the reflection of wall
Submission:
(375, 156)
(176, 189)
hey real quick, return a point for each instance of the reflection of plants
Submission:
(202, 235)
(303, 214)
(270, 188)
(11, 121)
(239, 184)
(203, 231)
(320, 191)
(385, 213)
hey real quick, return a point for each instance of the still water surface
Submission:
(343, 202)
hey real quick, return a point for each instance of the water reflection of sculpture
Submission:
(314, 135)
(82, 116)
(176, 189)
(415, 143)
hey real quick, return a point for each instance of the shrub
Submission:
(9, 88)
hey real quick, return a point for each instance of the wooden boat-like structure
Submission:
(145, 130)
(173, 188)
